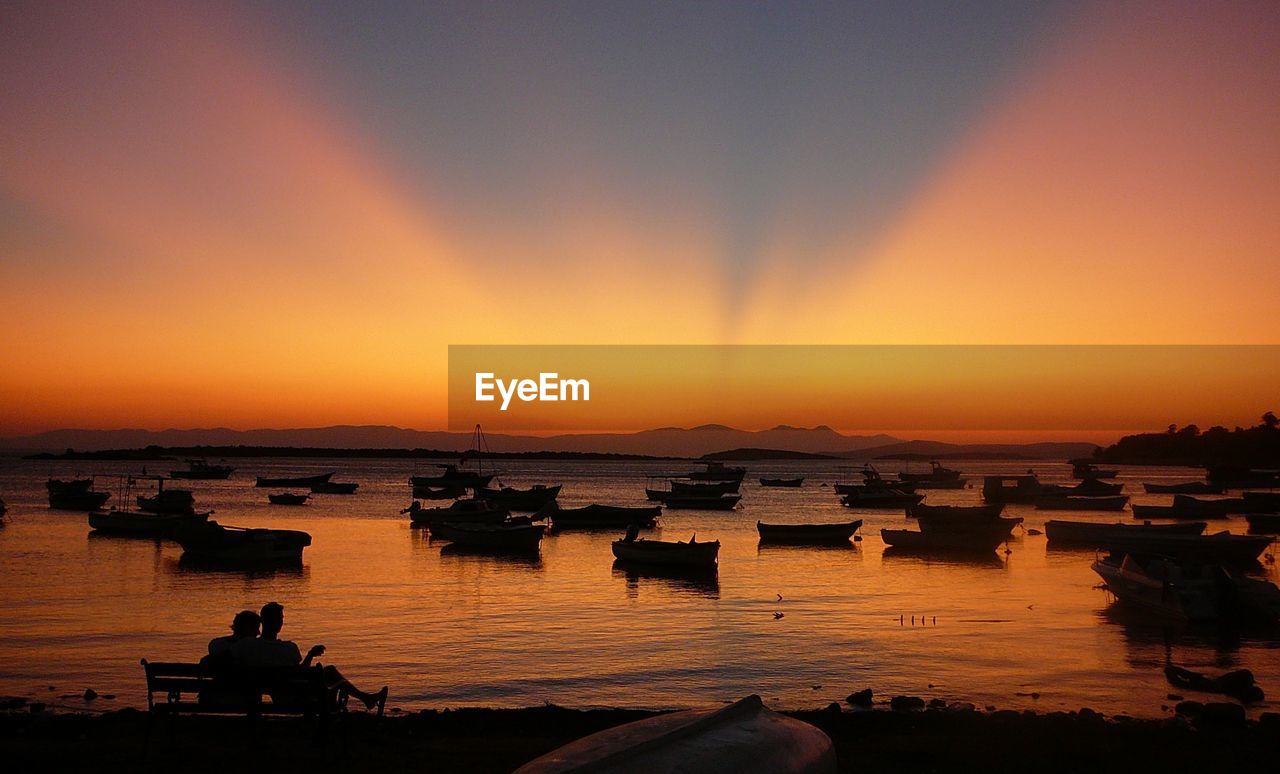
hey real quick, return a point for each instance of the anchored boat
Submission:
(212, 542)
(661, 552)
(819, 534)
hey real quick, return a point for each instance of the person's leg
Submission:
(334, 679)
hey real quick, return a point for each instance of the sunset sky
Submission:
(281, 214)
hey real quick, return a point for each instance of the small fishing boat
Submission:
(598, 516)
(76, 495)
(459, 510)
(807, 533)
(1188, 591)
(943, 541)
(1090, 487)
(704, 488)
(1260, 502)
(1082, 503)
(521, 538)
(453, 478)
(1187, 507)
(1219, 548)
(1086, 470)
(201, 469)
(1092, 534)
(782, 482)
(335, 487)
(1235, 477)
(1189, 488)
(299, 482)
(999, 525)
(446, 493)
(142, 523)
(717, 471)
(1263, 523)
(168, 501)
(720, 503)
(938, 477)
(744, 736)
(1011, 489)
(288, 498)
(530, 499)
(978, 512)
(679, 554)
(212, 542)
(882, 498)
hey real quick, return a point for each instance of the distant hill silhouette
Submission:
(937, 450)
(662, 442)
(1257, 446)
(766, 454)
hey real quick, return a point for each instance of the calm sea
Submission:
(447, 630)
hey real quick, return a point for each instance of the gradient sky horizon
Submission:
(281, 215)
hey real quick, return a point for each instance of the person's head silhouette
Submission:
(272, 619)
(245, 624)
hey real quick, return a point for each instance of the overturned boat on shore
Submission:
(744, 736)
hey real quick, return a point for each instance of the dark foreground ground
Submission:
(500, 740)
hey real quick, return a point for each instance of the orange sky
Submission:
(200, 230)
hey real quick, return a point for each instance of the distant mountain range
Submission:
(666, 441)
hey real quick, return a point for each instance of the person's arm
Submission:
(315, 652)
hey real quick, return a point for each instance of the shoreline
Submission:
(957, 736)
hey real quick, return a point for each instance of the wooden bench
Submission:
(175, 688)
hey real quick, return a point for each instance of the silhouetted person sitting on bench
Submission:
(268, 650)
(243, 627)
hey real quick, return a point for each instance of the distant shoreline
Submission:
(177, 453)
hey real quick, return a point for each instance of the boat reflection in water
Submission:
(984, 559)
(683, 581)
(202, 571)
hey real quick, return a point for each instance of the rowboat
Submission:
(335, 487)
(957, 511)
(1082, 503)
(807, 533)
(1191, 488)
(141, 523)
(782, 482)
(964, 541)
(460, 510)
(1000, 525)
(704, 488)
(717, 471)
(719, 503)
(77, 495)
(201, 469)
(1218, 548)
(530, 499)
(213, 542)
(1088, 533)
(1187, 507)
(691, 554)
(520, 538)
(887, 498)
(744, 736)
(299, 482)
(1264, 523)
(1090, 487)
(592, 516)
(287, 498)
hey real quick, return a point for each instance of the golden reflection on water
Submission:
(446, 627)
